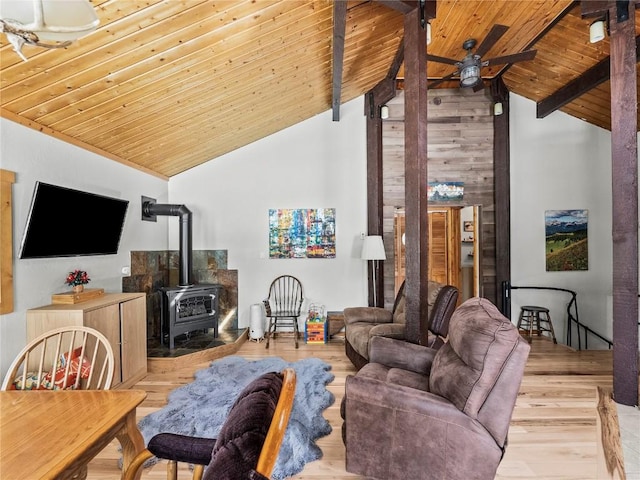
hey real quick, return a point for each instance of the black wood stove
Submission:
(186, 307)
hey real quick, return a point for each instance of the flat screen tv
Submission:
(63, 222)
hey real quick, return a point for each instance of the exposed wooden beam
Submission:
(624, 176)
(401, 6)
(594, 8)
(415, 178)
(502, 188)
(339, 28)
(378, 96)
(406, 6)
(591, 78)
(397, 62)
(374, 189)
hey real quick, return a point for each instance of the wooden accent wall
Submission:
(460, 148)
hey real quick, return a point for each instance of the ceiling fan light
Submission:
(35, 21)
(596, 31)
(469, 75)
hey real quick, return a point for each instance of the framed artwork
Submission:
(467, 226)
(566, 240)
(302, 233)
(445, 191)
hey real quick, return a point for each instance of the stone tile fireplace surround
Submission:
(153, 270)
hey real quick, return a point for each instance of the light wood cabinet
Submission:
(121, 317)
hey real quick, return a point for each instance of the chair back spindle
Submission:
(63, 358)
(283, 305)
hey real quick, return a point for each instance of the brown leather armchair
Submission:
(419, 413)
(364, 323)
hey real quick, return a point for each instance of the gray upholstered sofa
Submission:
(364, 323)
(418, 413)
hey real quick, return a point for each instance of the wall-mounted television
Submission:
(63, 222)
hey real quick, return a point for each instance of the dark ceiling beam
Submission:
(594, 8)
(339, 29)
(402, 6)
(600, 8)
(591, 78)
(406, 6)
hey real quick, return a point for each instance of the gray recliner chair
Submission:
(364, 323)
(420, 413)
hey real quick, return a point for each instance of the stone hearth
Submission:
(153, 270)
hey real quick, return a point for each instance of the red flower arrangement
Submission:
(77, 277)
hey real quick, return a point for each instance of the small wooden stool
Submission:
(532, 316)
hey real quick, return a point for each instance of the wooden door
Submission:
(444, 246)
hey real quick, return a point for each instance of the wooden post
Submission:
(415, 167)
(624, 172)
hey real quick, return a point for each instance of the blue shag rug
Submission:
(200, 408)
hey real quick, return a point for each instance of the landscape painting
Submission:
(566, 240)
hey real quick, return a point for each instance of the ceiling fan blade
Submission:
(513, 58)
(492, 37)
(435, 58)
(440, 80)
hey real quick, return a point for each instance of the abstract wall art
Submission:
(302, 233)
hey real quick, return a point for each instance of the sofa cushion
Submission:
(358, 334)
(466, 368)
(395, 376)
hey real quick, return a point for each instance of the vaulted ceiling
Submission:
(168, 85)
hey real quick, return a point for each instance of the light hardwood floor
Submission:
(552, 435)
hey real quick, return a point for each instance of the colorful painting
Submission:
(566, 240)
(302, 233)
(445, 191)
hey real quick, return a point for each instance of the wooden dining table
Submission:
(54, 434)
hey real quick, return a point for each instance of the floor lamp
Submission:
(373, 249)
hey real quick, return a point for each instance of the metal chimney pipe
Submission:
(186, 255)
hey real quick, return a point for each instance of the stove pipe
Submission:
(186, 256)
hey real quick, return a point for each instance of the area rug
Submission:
(199, 408)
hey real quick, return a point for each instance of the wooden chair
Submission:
(248, 443)
(283, 306)
(68, 357)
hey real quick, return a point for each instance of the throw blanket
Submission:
(200, 408)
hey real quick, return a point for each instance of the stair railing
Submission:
(573, 321)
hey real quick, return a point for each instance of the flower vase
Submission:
(78, 288)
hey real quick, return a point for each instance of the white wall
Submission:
(559, 163)
(38, 157)
(315, 164)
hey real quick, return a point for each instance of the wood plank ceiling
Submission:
(165, 86)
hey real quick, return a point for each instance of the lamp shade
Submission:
(55, 20)
(373, 248)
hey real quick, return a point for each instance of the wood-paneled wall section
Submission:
(7, 179)
(460, 149)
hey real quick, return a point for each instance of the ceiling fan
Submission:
(468, 69)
